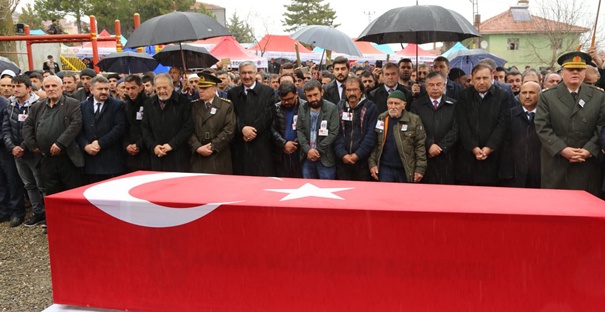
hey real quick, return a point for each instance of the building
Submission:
(219, 12)
(524, 39)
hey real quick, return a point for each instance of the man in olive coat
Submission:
(569, 118)
(213, 129)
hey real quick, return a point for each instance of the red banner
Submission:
(186, 242)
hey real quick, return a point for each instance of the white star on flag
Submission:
(310, 190)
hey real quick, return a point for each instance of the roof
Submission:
(518, 20)
(228, 47)
(279, 43)
(208, 6)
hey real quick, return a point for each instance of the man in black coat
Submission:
(167, 127)
(286, 152)
(484, 121)
(335, 90)
(524, 143)
(254, 109)
(103, 126)
(137, 154)
(442, 66)
(390, 74)
(438, 114)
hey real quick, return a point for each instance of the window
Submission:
(513, 44)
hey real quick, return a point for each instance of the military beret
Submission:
(574, 60)
(398, 95)
(88, 72)
(208, 80)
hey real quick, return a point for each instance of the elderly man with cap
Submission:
(213, 129)
(400, 153)
(568, 120)
(86, 76)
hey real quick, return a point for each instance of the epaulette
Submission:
(196, 100)
(546, 89)
(226, 100)
(595, 87)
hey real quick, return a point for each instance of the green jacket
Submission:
(410, 143)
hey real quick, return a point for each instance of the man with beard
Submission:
(137, 153)
(103, 126)
(568, 120)
(334, 91)
(50, 130)
(484, 122)
(113, 79)
(70, 84)
(399, 154)
(356, 137)
(286, 153)
(254, 109)
(316, 130)
(86, 76)
(213, 129)
(167, 127)
(405, 73)
(390, 74)
(148, 86)
(514, 79)
(438, 114)
(368, 81)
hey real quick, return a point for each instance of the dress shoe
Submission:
(16, 221)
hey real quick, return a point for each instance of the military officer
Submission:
(213, 129)
(568, 120)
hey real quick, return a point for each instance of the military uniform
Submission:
(215, 124)
(564, 122)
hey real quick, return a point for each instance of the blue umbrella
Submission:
(127, 62)
(467, 59)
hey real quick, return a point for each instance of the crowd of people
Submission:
(395, 123)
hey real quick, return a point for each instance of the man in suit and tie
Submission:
(568, 120)
(524, 143)
(390, 75)
(438, 114)
(103, 127)
(335, 90)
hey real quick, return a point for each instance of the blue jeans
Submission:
(29, 171)
(11, 188)
(316, 170)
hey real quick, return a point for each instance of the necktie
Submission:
(97, 109)
(435, 104)
(162, 105)
(248, 91)
(390, 90)
(208, 105)
(341, 87)
(530, 116)
(575, 96)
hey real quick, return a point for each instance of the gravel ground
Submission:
(24, 269)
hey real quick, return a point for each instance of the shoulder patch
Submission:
(546, 89)
(226, 100)
(597, 88)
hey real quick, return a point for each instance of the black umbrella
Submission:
(5, 64)
(127, 62)
(328, 38)
(418, 24)
(195, 57)
(176, 27)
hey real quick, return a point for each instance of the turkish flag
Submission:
(187, 242)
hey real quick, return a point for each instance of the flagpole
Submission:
(594, 31)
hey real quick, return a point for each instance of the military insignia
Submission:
(226, 100)
(202, 78)
(576, 59)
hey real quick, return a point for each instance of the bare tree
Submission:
(556, 29)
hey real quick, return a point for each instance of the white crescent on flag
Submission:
(113, 197)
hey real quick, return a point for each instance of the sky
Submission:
(266, 16)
